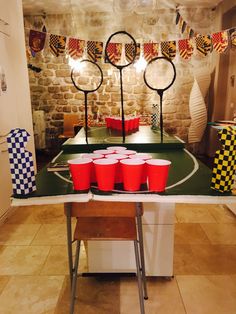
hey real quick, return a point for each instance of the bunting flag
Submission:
(183, 25)
(114, 52)
(168, 49)
(129, 52)
(150, 51)
(76, 48)
(203, 44)
(57, 44)
(36, 40)
(94, 50)
(220, 41)
(185, 48)
(178, 16)
(232, 37)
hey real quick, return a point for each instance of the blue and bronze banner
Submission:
(36, 40)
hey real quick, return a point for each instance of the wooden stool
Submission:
(109, 221)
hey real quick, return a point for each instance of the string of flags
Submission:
(76, 48)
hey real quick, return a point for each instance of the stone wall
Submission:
(52, 89)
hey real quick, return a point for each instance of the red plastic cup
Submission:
(119, 157)
(129, 152)
(117, 149)
(157, 171)
(132, 173)
(144, 157)
(93, 157)
(131, 125)
(104, 152)
(136, 123)
(105, 173)
(108, 122)
(80, 170)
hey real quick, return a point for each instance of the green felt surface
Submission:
(49, 184)
(144, 140)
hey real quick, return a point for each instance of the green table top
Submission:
(187, 176)
(144, 140)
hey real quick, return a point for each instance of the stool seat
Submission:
(106, 221)
(105, 228)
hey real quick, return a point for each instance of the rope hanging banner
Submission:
(159, 76)
(120, 67)
(75, 75)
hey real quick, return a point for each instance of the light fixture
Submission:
(141, 64)
(76, 64)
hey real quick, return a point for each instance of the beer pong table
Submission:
(188, 182)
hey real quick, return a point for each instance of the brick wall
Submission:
(53, 91)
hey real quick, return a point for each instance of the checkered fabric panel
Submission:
(224, 167)
(21, 163)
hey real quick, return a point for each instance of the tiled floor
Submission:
(34, 275)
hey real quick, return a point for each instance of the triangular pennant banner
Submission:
(184, 25)
(177, 18)
(36, 40)
(114, 52)
(150, 51)
(57, 44)
(76, 48)
(220, 41)
(185, 48)
(168, 49)
(232, 37)
(94, 50)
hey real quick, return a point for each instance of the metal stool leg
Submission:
(74, 281)
(141, 250)
(140, 286)
(69, 239)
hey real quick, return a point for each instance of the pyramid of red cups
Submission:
(115, 123)
(119, 168)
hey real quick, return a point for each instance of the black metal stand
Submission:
(120, 68)
(86, 94)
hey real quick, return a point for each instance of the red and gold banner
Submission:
(94, 50)
(114, 52)
(232, 37)
(168, 49)
(220, 41)
(76, 48)
(185, 48)
(150, 51)
(57, 44)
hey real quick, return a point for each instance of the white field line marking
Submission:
(195, 168)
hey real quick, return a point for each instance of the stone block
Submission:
(65, 88)
(67, 109)
(57, 116)
(63, 73)
(48, 73)
(68, 96)
(52, 66)
(105, 97)
(57, 96)
(62, 102)
(53, 89)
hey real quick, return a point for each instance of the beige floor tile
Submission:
(96, 295)
(51, 234)
(222, 214)
(57, 261)
(190, 234)
(14, 234)
(204, 259)
(22, 260)
(48, 214)
(3, 281)
(163, 297)
(194, 213)
(208, 294)
(30, 294)
(220, 233)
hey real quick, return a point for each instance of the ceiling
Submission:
(32, 7)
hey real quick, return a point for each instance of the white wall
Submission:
(15, 104)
